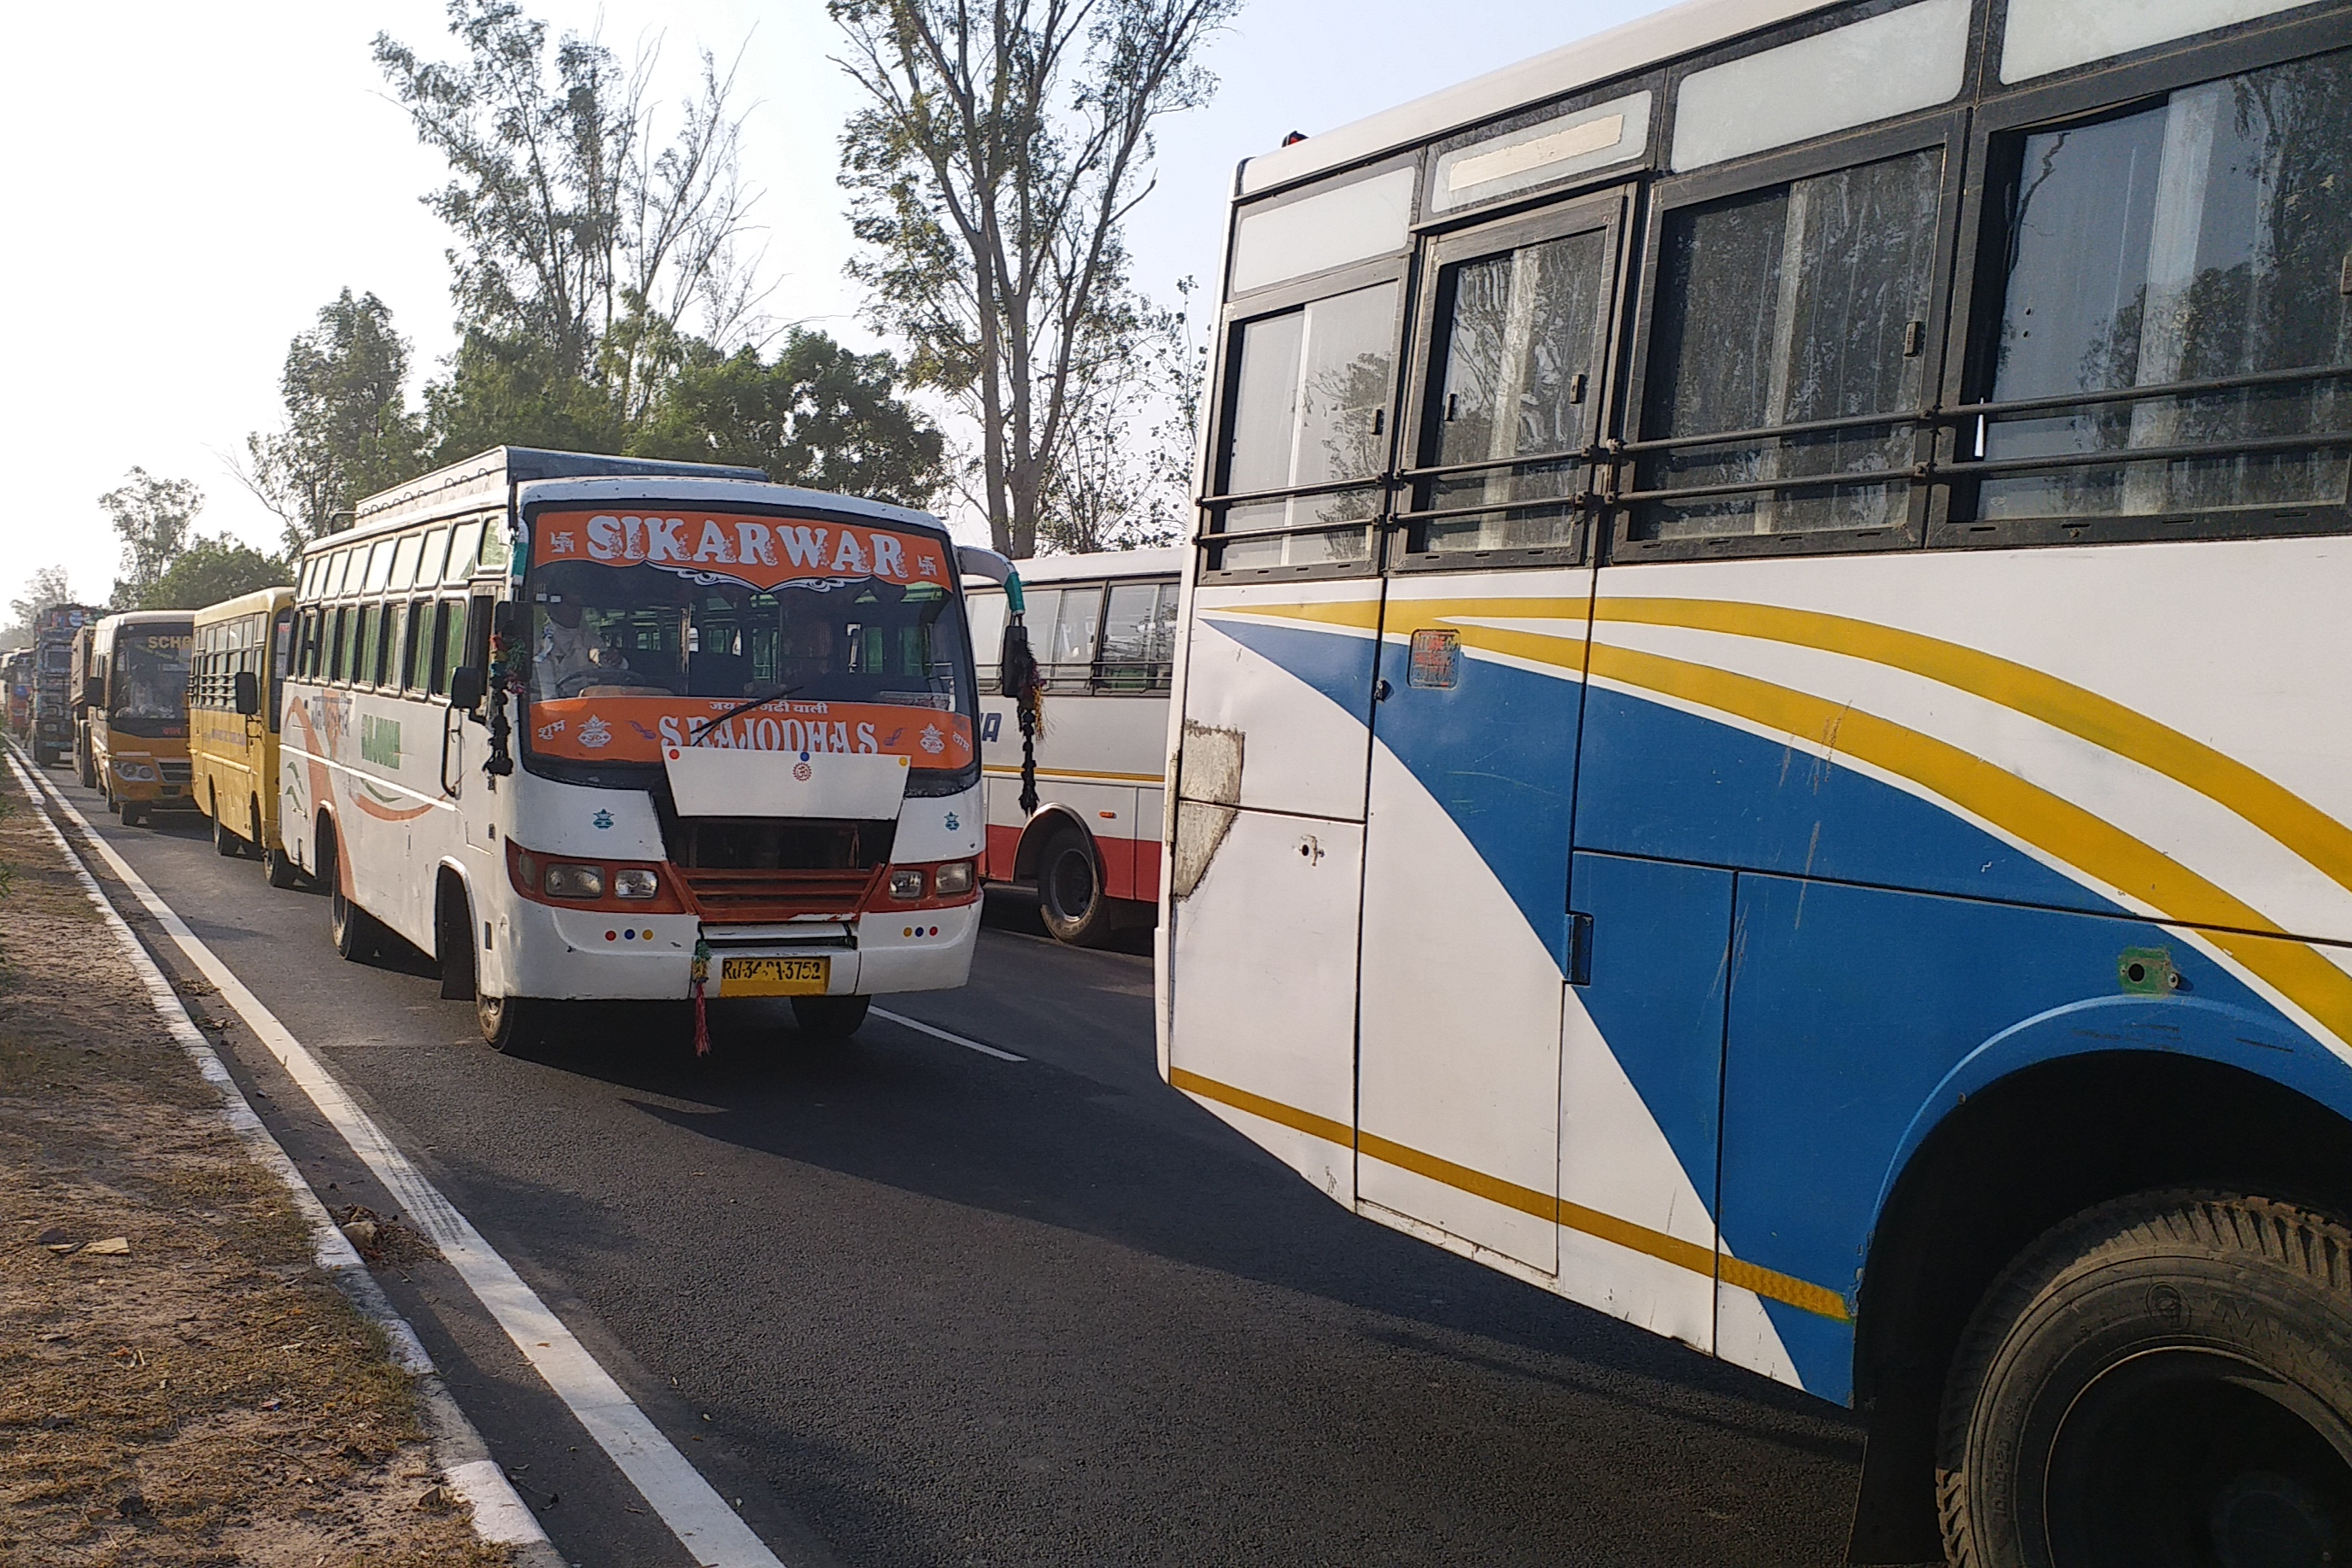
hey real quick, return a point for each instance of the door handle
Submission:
(1580, 949)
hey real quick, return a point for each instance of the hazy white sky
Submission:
(192, 182)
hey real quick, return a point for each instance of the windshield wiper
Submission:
(703, 733)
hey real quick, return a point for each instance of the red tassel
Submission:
(701, 1024)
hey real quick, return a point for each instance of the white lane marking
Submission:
(922, 1028)
(711, 1531)
(500, 1515)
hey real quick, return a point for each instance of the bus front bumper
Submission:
(591, 955)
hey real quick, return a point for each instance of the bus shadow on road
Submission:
(1057, 1153)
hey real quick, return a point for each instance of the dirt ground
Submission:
(178, 1383)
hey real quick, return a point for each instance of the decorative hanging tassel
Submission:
(1025, 684)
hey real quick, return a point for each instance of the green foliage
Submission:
(210, 569)
(348, 432)
(817, 416)
(152, 517)
(511, 390)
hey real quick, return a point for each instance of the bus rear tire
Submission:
(1069, 889)
(830, 1018)
(2159, 1380)
(511, 1024)
(276, 864)
(354, 931)
(225, 843)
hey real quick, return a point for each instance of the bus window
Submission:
(986, 608)
(281, 652)
(416, 661)
(1313, 388)
(1518, 335)
(384, 668)
(1069, 654)
(495, 551)
(446, 625)
(339, 632)
(403, 562)
(464, 541)
(2199, 238)
(366, 643)
(478, 631)
(1137, 637)
(379, 567)
(1804, 302)
(436, 552)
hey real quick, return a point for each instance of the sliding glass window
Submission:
(2175, 282)
(1786, 374)
(1306, 440)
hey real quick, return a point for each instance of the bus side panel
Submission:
(1282, 676)
(1854, 1010)
(1641, 1088)
(1263, 1023)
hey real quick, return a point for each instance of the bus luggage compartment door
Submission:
(1466, 911)
(1268, 866)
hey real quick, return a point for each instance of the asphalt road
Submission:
(914, 1305)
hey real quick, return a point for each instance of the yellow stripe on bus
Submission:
(2312, 834)
(2055, 826)
(1815, 1299)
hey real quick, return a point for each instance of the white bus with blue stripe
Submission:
(1761, 737)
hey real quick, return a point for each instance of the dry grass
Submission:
(207, 1398)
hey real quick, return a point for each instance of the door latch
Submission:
(1580, 949)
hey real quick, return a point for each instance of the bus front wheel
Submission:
(830, 1017)
(225, 843)
(1069, 889)
(511, 1024)
(2159, 1380)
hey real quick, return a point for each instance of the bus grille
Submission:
(177, 772)
(741, 897)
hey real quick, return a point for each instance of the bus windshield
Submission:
(151, 676)
(859, 646)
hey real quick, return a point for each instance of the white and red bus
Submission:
(592, 728)
(1102, 629)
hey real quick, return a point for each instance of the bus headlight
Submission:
(570, 881)
(134, 772)
(907, 884)
(635, 882)
(952, 879)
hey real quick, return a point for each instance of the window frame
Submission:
(1276, 300)
(1421, 376)
(1159, 677)
(2088, 95)
(1946, 129)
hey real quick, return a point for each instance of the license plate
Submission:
(773, 976)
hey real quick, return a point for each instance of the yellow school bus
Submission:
(137, 699)
(235, 671)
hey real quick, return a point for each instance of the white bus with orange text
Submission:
(589, 728)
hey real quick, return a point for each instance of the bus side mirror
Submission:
(93, 690)
(466, 687)
(248, 693)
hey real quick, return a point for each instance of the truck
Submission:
(52, 701)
